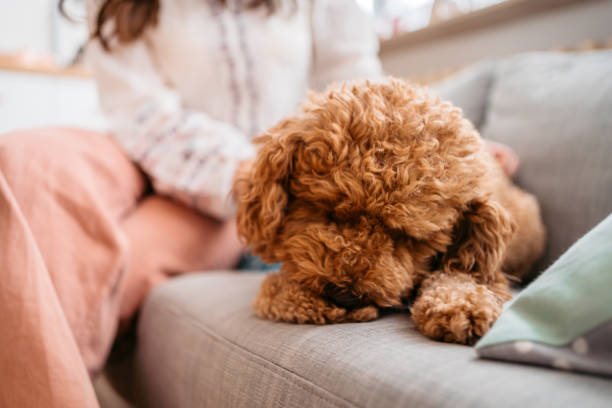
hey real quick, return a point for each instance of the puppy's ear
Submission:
(480, 240)
(262, 195)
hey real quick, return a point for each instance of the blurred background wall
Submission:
(36, 27)
(25, 23)
(36, 89)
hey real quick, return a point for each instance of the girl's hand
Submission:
(241, 172)
(243, 169)
(505, 156)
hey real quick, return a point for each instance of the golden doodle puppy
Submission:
(379, 195)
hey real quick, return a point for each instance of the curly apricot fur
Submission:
(379, 194)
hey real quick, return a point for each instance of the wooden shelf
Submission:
(10, 63)
(489, 16)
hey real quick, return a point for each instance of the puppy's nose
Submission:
(342, 297)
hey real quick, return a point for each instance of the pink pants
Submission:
(80, 247)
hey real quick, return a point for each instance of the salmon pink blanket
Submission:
(75, 262)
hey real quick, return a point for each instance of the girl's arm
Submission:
(187, 154)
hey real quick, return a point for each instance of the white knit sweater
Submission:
(186, 99)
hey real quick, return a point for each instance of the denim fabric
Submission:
(254, 263)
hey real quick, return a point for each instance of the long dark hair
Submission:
(133, 17)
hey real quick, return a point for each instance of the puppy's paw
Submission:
(364, 314)
(454, 314)
(284, 300)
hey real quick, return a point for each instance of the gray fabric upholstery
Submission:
(555, 110)
(469, 89)
(200, 345)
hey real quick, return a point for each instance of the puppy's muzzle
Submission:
(344, 297)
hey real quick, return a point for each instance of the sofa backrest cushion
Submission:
(469, 89)
(555, 110)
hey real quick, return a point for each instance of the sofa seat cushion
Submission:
(200, 345)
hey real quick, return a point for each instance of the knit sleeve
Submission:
(345, 46)
(187, 154)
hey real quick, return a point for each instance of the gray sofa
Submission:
(200, 344)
